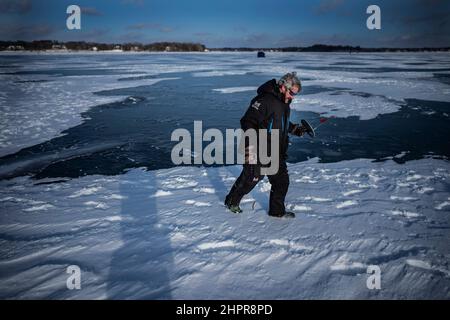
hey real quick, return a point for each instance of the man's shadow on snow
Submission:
(139, 267)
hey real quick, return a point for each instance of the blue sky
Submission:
(232, 23)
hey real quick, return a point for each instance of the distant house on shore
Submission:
(59, 47)
(15, 48)
(117, 49)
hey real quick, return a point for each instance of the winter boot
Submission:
(232, 207)
(286, 214)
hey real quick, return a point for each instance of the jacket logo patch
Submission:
(256, 105)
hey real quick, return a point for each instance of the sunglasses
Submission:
(292, 93)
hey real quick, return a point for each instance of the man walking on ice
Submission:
(269, 110)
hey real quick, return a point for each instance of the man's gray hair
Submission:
(290, 80)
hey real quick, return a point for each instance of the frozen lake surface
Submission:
(86, 178)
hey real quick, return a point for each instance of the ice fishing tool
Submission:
(308, 129)
(311, 131)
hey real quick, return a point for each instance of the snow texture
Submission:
(166, 235)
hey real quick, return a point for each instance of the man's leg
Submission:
(280, 185)
(248, 179)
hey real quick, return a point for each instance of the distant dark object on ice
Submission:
(261, 54)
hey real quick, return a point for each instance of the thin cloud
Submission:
(133, 2)
(25, 32)
(255, 38)
(15, 6)
(90, 11)
(97, 35)
(432, 2)
(141, 26)
(241, 29)
(166, 29)
(131, 36)
(151, 26)
(203, 34)
(327, 6)
(428, 18)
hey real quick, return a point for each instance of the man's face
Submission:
(289, 94)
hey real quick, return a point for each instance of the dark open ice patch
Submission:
(350, 63)
(136, 131)
(318, 89)
(416, 63)
(416, 130)
(32, 81)
(442, 77)
(143, 77)
(371, 69)
(339, 91)
(72, 72)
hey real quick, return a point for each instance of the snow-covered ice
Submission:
(235, 89)
(132, 238)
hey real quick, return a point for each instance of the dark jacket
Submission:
(269, 111)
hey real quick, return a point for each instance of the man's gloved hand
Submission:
(298, 130)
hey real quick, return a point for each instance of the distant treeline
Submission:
(330, 48)
(82, 45)
(186, 46)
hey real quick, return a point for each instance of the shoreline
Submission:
(64, 52)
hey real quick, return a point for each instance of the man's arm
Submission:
(254, 118)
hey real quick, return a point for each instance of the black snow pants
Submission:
(249, 178)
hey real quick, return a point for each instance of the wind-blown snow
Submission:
(132, 238)
(219, 73)
(162, 193)
(347, 203)
(235, 89)
(345, 105)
